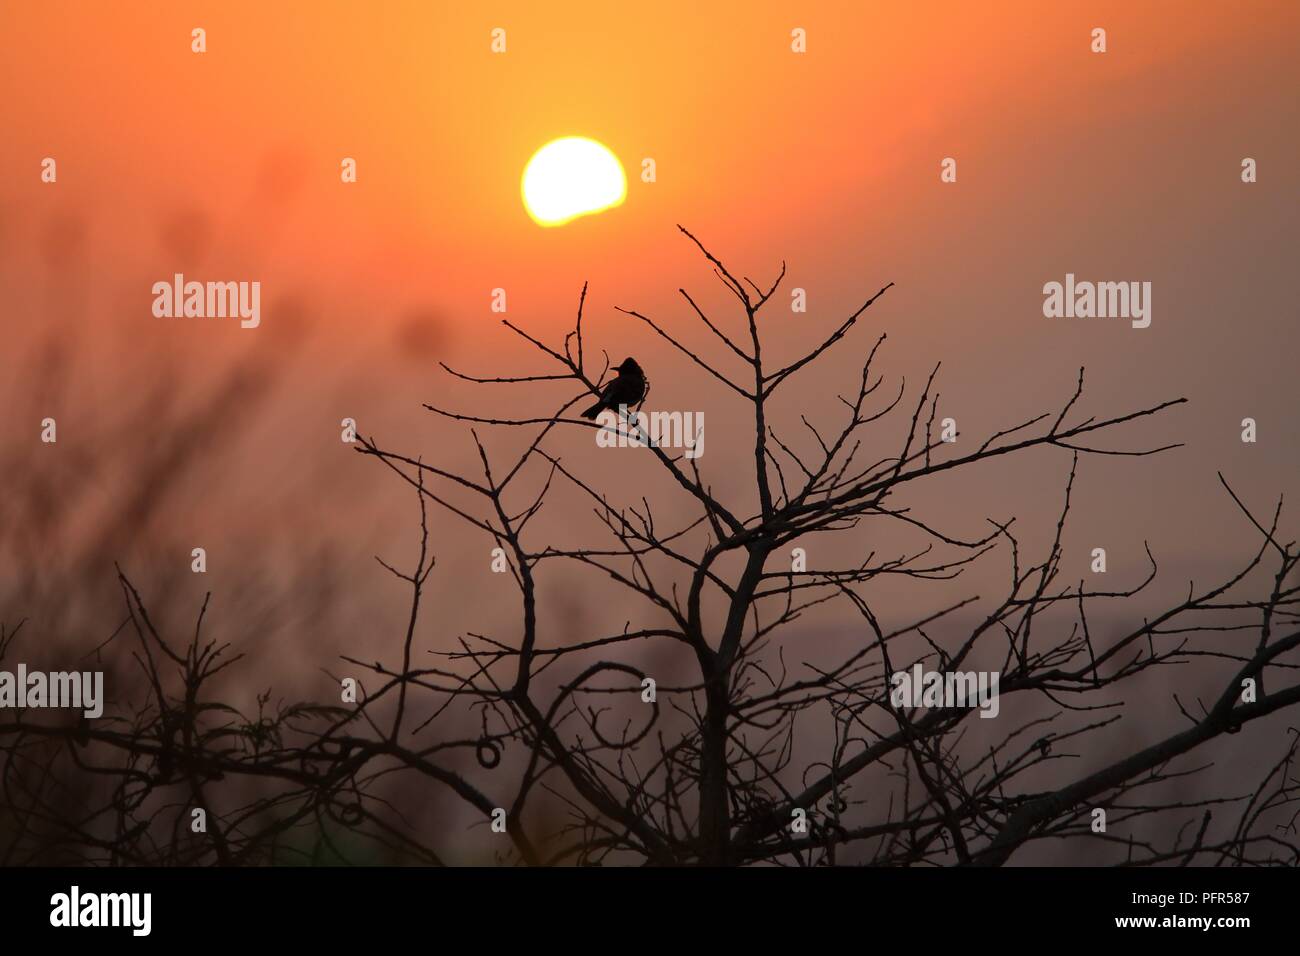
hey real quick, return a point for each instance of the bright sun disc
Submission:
(572, 177)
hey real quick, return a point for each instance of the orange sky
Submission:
(820, 158)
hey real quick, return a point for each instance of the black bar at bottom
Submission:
(330, 906)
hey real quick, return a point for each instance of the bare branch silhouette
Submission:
(767, 750)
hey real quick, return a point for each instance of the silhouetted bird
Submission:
(627, 388)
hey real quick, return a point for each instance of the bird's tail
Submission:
(593, 411)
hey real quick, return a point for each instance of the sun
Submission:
(572, 177)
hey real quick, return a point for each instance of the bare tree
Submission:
(767, 753)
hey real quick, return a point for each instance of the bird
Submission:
(627, 388)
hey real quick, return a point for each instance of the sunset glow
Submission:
(572, 177)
